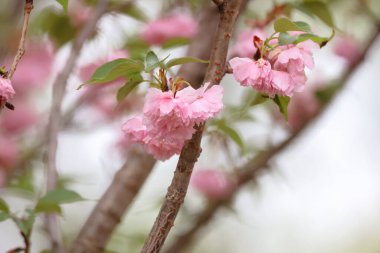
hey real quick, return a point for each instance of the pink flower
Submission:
(213, 184)
(134, 129)
(347, 48)
(34, 68)
(251, 73)
(168, 120)
(6, 90)
(178, 25)
(20, 119)
(244, 44)
(8, 153)
(203, 103)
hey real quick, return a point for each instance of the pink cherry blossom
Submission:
(34, 68)
(348, 48)
(244, 44)
(20, 119)
(168, 120)
(213, 184)
(203, 103)
(251, 73)
(134, 129)
(6, 91)
(177, 25)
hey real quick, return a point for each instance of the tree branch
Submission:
(191, 150)
(21, 47)
(108, 212)
(54, 122)
(250, 170)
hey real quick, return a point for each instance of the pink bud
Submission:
(213, 184)
(6, 91)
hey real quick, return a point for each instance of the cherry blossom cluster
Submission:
(276, 70)
(169, 117)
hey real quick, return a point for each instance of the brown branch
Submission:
(21, 47)
(54, 122)
(250, 170)
(108, 212)
(191, 151)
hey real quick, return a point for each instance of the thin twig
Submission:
(250, 170)
(191, 151)
(21, 47)
(54, 122)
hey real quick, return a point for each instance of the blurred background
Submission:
(321, 194)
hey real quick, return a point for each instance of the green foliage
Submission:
(151, 61)
(222, 126)
(115, 69)
(175, 42)
(51, 201)
(285, 24)
(317, 9)
(183, 60)
(282, 103)
(25, 224)
(64, 3)
(134, 11)
(4, 206)
(285, 39)
(57, 25)
(132, 83)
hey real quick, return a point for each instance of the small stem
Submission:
(21, 47)
(26, 242)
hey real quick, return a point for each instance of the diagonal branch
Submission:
(55, 117)
(250, 170)
(21, 47)
(190, 152)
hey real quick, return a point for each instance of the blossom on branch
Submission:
(6, 91)
(168, 118)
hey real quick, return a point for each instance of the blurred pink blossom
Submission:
(168, 120)
(79, 12)
(8, 153)
(34, 68)
(6, 90)
(213, 184)
(20, 119)
(244, 44)
(347, 48)
(176, 25)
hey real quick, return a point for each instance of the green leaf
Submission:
(134, 11)
(51, 201)
(285, 24)
(115, 69)
(285, 39)
(282, 103)
(175, 42)
(230, 132)
(4, 216)
(183, 60)
(151, 61)
(321, 41)
(4, 206)
(132, 83)
(305, 26)
(319, 9)
(64, 3)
